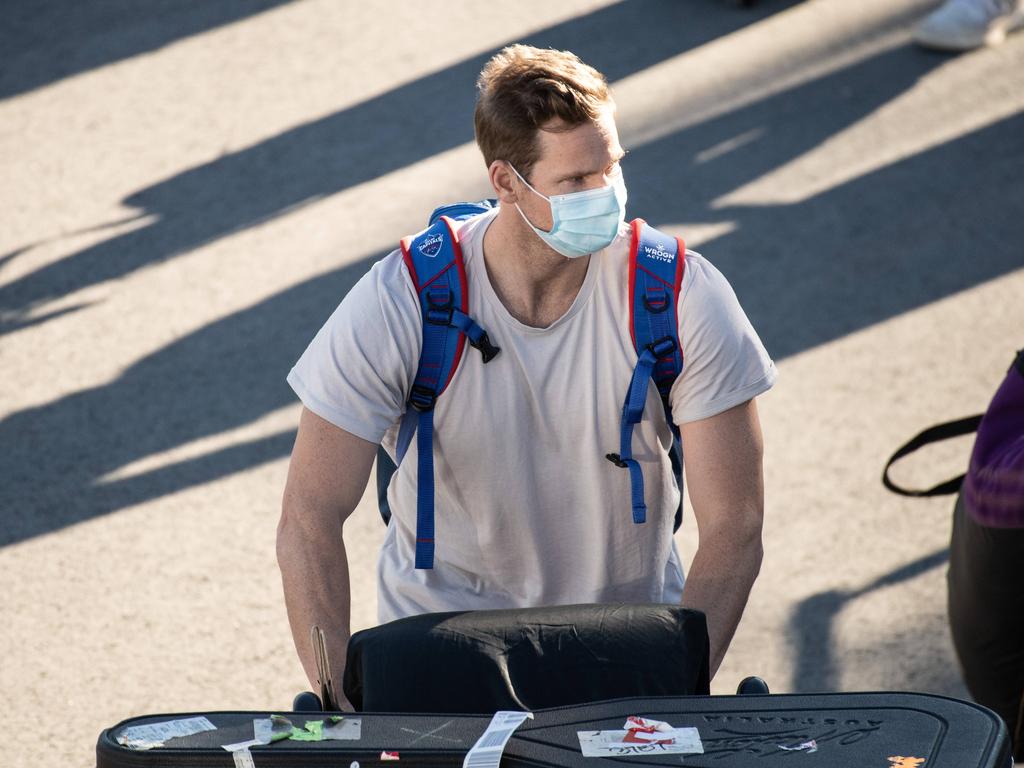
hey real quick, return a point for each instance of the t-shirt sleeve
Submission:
(358, 369)
(724, 362)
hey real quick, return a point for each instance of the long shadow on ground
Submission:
(907, 234)
(417, 120)
(811, 626)
(807, 273)
(44, 42)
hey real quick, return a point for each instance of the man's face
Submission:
(584, 157)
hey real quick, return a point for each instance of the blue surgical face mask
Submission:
(582, 222)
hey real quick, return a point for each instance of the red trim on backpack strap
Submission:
(680, 271)
(459, 262)
(464, 306)
(680, 268)
(654, 276)
(404, 244)
(635, 226)
(439, 275)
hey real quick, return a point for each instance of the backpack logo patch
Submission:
(431, 245)
(659, 253)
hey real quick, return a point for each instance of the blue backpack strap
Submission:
(656, 264)
(434, 260)
(385, 466)
(461, 211)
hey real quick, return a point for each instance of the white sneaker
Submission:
(960, 25)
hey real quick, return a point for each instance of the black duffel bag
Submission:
(527, 659)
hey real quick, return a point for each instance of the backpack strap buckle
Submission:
(487, 349)
(656, 303)
(615, 459)
(422, 398)
(439, 316)
(663, 347)
(440, 306)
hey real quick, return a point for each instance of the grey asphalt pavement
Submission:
(188, 190)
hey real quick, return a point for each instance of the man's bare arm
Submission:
(326, 478)
(722, 456)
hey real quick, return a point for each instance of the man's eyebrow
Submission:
(584, 174)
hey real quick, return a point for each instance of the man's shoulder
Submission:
(698, 264)
(385, 291)
(386, 274)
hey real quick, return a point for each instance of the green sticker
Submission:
(313, 731)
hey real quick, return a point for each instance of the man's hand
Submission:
(326, 478)
(722, 457)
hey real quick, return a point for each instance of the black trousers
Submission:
(986, 616)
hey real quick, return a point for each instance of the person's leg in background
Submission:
(961, 25)
(986, 616)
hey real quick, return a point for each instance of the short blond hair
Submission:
(522, 89)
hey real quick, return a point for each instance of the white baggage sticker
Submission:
(487, 751)
(641, 737)
(155, 734)
(240, 752)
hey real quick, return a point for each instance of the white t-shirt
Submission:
(528, 511)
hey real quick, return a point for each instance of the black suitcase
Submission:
(855, 730)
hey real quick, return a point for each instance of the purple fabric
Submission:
(994, 487)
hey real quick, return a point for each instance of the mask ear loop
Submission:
(529, 186)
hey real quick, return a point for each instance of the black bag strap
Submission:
(934, 434)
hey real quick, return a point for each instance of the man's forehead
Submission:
(593, 141)
(604, 122)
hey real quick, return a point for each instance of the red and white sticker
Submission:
(641, 736)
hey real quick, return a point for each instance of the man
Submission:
(529, 511)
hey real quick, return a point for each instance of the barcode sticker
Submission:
(487, 751)
(242, 745)
(495, 739)
(240, 752)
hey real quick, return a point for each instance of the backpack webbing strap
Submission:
(425, 491)
(656, 263)
(434, 261)
(435, 265)
(386, 466)
(479, 339)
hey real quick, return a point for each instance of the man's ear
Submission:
(503, 182)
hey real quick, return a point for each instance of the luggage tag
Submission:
(323, 669)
